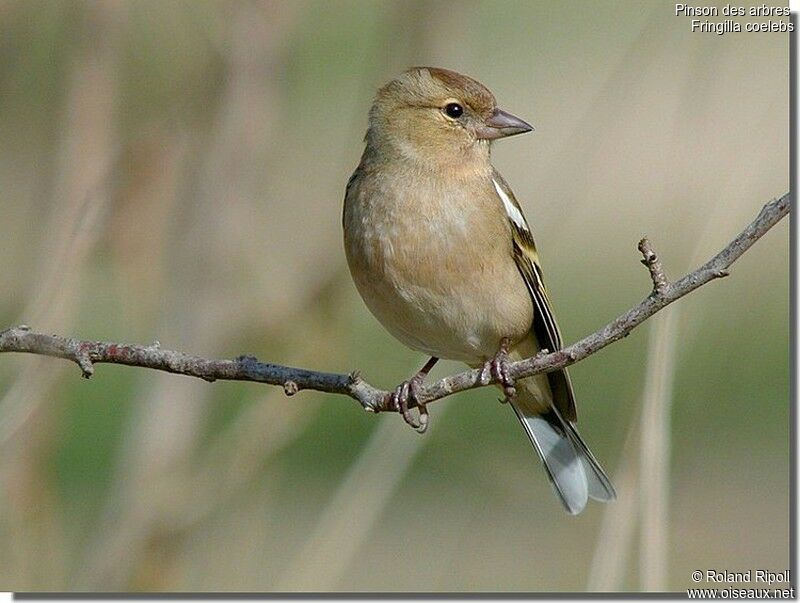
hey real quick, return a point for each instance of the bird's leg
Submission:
(497, 367)
(409, 390)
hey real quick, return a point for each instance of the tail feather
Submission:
(573, 470)
(561, 460)
(600, 486)
(545, 406)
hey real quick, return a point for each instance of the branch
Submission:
(246, 368)
(653, 264)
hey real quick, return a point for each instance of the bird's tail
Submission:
(574, 472)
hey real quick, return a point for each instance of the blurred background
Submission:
(174, 171)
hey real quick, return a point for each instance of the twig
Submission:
(246, 368)
(653, 263)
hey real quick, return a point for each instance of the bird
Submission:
(441, 253)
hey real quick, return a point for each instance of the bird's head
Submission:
(436, 116)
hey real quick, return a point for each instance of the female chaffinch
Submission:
(442, 255)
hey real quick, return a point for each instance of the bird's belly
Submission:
(442, 289)
(446, 327)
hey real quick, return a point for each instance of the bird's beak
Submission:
(501, 124)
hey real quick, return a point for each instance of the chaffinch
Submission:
(442, 255)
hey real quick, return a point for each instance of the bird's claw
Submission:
(498, 368)
(409, 390)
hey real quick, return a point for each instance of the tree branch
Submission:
(246, 368)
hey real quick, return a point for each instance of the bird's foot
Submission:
(410, 390)
(405, 392)
(498, 368)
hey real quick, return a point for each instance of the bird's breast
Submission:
(434, 265)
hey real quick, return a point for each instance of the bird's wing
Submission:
(350, 187)
(544, 325)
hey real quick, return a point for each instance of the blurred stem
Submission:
(79, 203)
(613, 548)
(654, 451)
(353, 510)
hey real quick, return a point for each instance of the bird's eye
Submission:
(453, 110)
